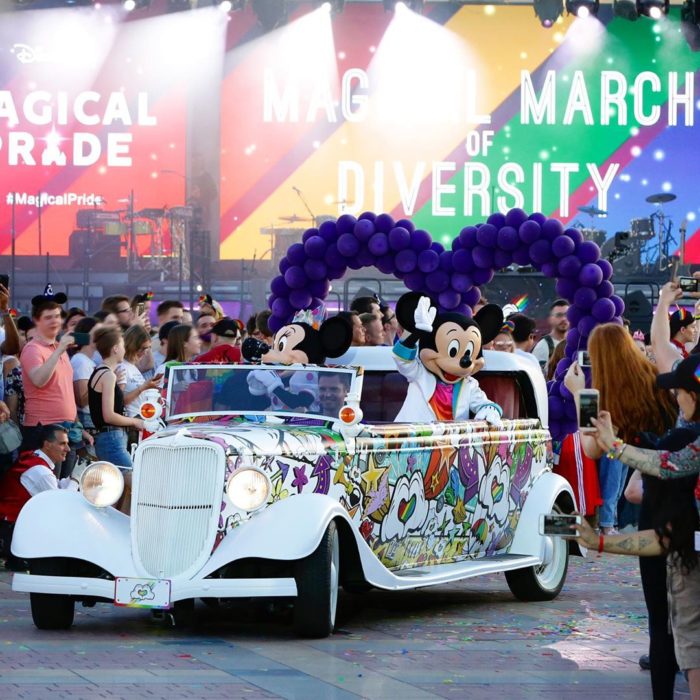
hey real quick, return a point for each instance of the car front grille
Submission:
(176, 505)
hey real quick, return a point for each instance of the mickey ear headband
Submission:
(508, 327)
(48, 295)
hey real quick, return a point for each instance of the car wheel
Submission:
(543, 582)
(318, 577)
(51, 611)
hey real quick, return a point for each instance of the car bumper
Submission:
(180, 590)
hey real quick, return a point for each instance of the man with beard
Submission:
(559, 325)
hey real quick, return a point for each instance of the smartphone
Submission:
(554, 524)
(688, 284)
(81, 338)
(588, 408)
(584, 359)
(5, 281)
(140, 308)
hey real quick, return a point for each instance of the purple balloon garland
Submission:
(453, 276)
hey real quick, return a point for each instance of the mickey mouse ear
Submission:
(48, 295)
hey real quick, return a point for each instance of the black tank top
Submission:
(95, 399)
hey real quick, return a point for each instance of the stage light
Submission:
(654, 9)
(548, 11)
(226, 5)
(131, 5)
(583, 8)
(271, 14)
(627, 9)
(690, 12)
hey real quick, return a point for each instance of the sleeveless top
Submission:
(95, 399)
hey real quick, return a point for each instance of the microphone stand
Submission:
(306, 205)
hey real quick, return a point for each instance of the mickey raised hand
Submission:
(424, 315)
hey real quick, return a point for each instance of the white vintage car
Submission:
(240, 496)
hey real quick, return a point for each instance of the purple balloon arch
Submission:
(453, 276)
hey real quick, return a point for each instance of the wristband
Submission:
(601, 542)
(616, 449)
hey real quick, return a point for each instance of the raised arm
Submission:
(666, 353)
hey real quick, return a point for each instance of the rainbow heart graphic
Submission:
(407, 508)
(496, 490)
(480, 530)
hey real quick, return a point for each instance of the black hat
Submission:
(226, 328)
(164, 330)
(685, 375)
(48, 295)
(680, 319)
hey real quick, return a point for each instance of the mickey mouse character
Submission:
(297, 343)
(440, 369)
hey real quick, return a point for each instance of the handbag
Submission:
(10, 437)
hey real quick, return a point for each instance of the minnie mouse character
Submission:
(440, 369)
(297, 343)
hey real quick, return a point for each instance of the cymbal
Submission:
(293, 219)
(592, 211)
(661, 198)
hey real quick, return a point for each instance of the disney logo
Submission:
(28, 54)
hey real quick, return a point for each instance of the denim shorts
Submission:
(110, 445)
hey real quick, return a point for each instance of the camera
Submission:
(688, 284)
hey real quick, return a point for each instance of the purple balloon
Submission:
(446, 261)
(348, 245)
(365, 257)
(552, 229)
(275, 323)
(378, 244)
(591, 275)
(569, 266)
(333, 257)
(428, 260)
(309, 233)
(556, 408)
(606, 267)
(538, 217)
(369, 215)
(315, 247)
(586, 326)
(385, 264)
(406, 260)
(300, 299)
(516, 218)
(529, 232)
(471, 297)
(619, 305)
(363, 230)
(295, 277)
(573, 337)
(549, 269)
(437, 281)
(415, 281)
(561, 368)
(563, 246)
(456, 244)
(407, 224)
(437, 247)
(575, 314)
(463, 309)
(566, 288)
(449, 299)
(279, 287)
(574, 234)
(461, 282)
(521, 256)
(296, 254)
(588, 252)
(497, 219)
(468, 237)
(540, 252)
(315, 269)
(502, 258)
(618, 321)
(346, 223)
(420, 240)
(482, 276)
(284, 265)
(483, 257)
(319, 288)
(336, 273)
(353, 263)
(282, 307)
(487, 235)
(603, 310)
(384, 223)
(399, 238)
(605, 290)
(508, 238)
(585, 297)
(462, 261)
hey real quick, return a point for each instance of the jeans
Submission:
(612, 475)
(110, 445)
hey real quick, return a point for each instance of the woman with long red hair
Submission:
(626, 380)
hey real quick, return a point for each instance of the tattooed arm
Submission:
(640, 544)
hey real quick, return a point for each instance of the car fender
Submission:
(289, 529)
(547, 489)
(60, 523)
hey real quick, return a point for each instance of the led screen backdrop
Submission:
(449, 116)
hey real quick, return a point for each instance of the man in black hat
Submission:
(225, 336)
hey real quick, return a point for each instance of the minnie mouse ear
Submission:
(336, 336)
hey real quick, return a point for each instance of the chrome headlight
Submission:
(248, 489)
(102, 484)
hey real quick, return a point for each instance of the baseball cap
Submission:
(685, 375)
(680, 319)
(225, 328)
(165, 329)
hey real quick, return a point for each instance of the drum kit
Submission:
(647, 244)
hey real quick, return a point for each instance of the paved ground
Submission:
(468, 640)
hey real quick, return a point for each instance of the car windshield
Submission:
(251, 389)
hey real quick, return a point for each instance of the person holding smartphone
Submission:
(137, 343)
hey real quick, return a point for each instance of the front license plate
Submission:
(142, 592)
